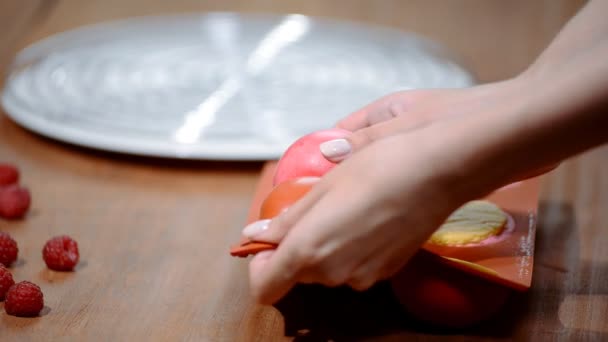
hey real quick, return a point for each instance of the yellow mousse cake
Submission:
(474, 222)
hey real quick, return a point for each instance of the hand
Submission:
(415, 157)
(365, 218)
(361, 222)
(407, 110)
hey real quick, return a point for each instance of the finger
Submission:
(320, 247)
(386, 108)
(363, 277)
(361, 284)
(297, 259)
(383, 265)
(274, 230)
(339, 149)
(273, 273)
(329, 269)
(259, 261)
(354, 121)
(370, 271)
(329, 276)
(330, 249)
(371, 114)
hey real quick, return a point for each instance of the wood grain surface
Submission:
(154, 234)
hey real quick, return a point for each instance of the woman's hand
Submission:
(362, 221)
(365, 218)
(414, 157)
(369, 215)
(407, 110)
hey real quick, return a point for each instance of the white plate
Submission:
(213, 86)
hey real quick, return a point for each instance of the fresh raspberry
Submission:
(8, 249)
(8, 174)
(61, 253)
(14, 201)
(6, 281)
(24, 299)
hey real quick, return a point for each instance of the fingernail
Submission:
(255, 228)
(336, 150)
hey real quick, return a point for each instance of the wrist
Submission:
(537, 120)
(478, 152)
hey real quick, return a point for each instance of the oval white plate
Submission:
(213, 86)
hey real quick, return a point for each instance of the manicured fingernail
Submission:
(256, 228)
(336, 150)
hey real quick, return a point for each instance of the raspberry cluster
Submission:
(60, 253)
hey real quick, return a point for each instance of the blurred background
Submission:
(483, 33)
(185, 88)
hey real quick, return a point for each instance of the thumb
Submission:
(274, 230)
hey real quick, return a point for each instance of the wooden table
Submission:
(154, 233)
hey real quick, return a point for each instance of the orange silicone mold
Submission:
(508, 260)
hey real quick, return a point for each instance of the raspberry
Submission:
(24, 299)
(6, 281)
(8, 249)
(8, 174)
(14, 201)
(61, 253)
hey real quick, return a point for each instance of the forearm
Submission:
(556, 109)
(587, 29)
(551, 116)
